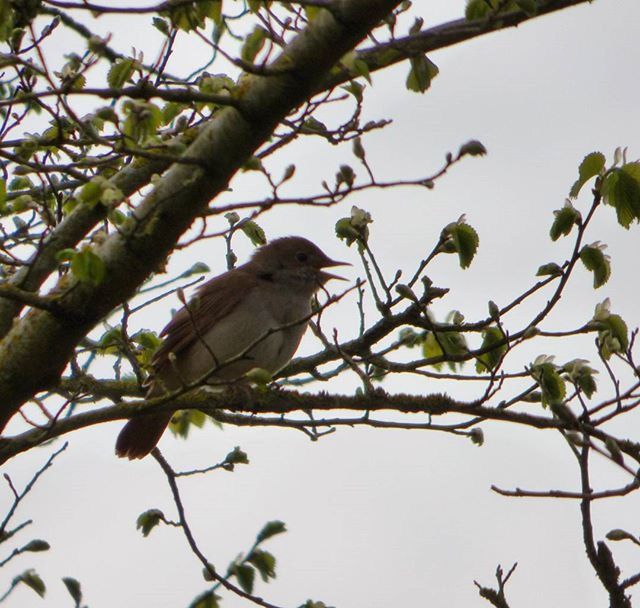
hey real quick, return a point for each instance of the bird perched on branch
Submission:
(253, 316)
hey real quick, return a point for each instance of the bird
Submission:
(252, 316)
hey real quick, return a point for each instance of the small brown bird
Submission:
(230, 314)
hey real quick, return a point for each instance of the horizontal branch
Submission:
(279, 402)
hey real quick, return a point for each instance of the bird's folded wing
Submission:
(214, 301)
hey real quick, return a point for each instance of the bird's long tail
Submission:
(140, 435)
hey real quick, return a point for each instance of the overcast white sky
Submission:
(379, 518)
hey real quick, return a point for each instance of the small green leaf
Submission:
(582, 375)
(182, 422)
(472, 148)
(236, 456)
(122, 70)
(270, 529)
(32, 580)
(148, 520)
(551, 269)
(422, 72)
(464, 239)
(489, 361)
(545, 373)
(161, 25)
(246, 575)
(88, 267)
(74, 589)
(613, 335)
(254, 232)
(208, 599)
(564, 221)
(253, 44)
(591, 165)
(595, 260)
(264, 562)
(621, 189)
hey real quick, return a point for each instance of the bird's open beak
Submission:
(327, 276)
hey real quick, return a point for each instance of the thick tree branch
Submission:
(37, 348)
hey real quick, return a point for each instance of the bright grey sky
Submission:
(379, 518)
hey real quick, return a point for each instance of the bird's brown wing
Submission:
(214, 301)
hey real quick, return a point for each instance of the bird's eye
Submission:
(301, 257)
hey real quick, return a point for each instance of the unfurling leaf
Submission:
(31, 579)
(253, 44)
(208, 599)
(595, 260)
(121, 72)
(551, 269)
(264, 562)
(88, 267)
(591, 165)
(621, 190)
(245, 574)
(148, 520)
(462, 239)
(254, 232)
(422, 72)
(355, 227)
(472, 148)
(545, 373)
(270, 529)
(581, 374)
(564, 221)
(492, 336)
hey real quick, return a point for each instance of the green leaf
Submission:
(161, 25)
(431, 348)
(88, 267)
(31, 579)
(551, 269)
(545, 373)
(208, 599)
(591, 165)
(148, 520)
(490, 360)
(582, 375)
(183, 420)
(270, 529)
(595, 260)
(564, 221)
(246, 575)
(472, 148)
(254, 232)
(122, 70)
(236, 456)
(464, 240)
(74, 589)
(422, 72)
(264, 562)
(621, 189)
(142, 120)
(613, 335)
(253, 44)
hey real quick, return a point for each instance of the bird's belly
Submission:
(247, 338)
